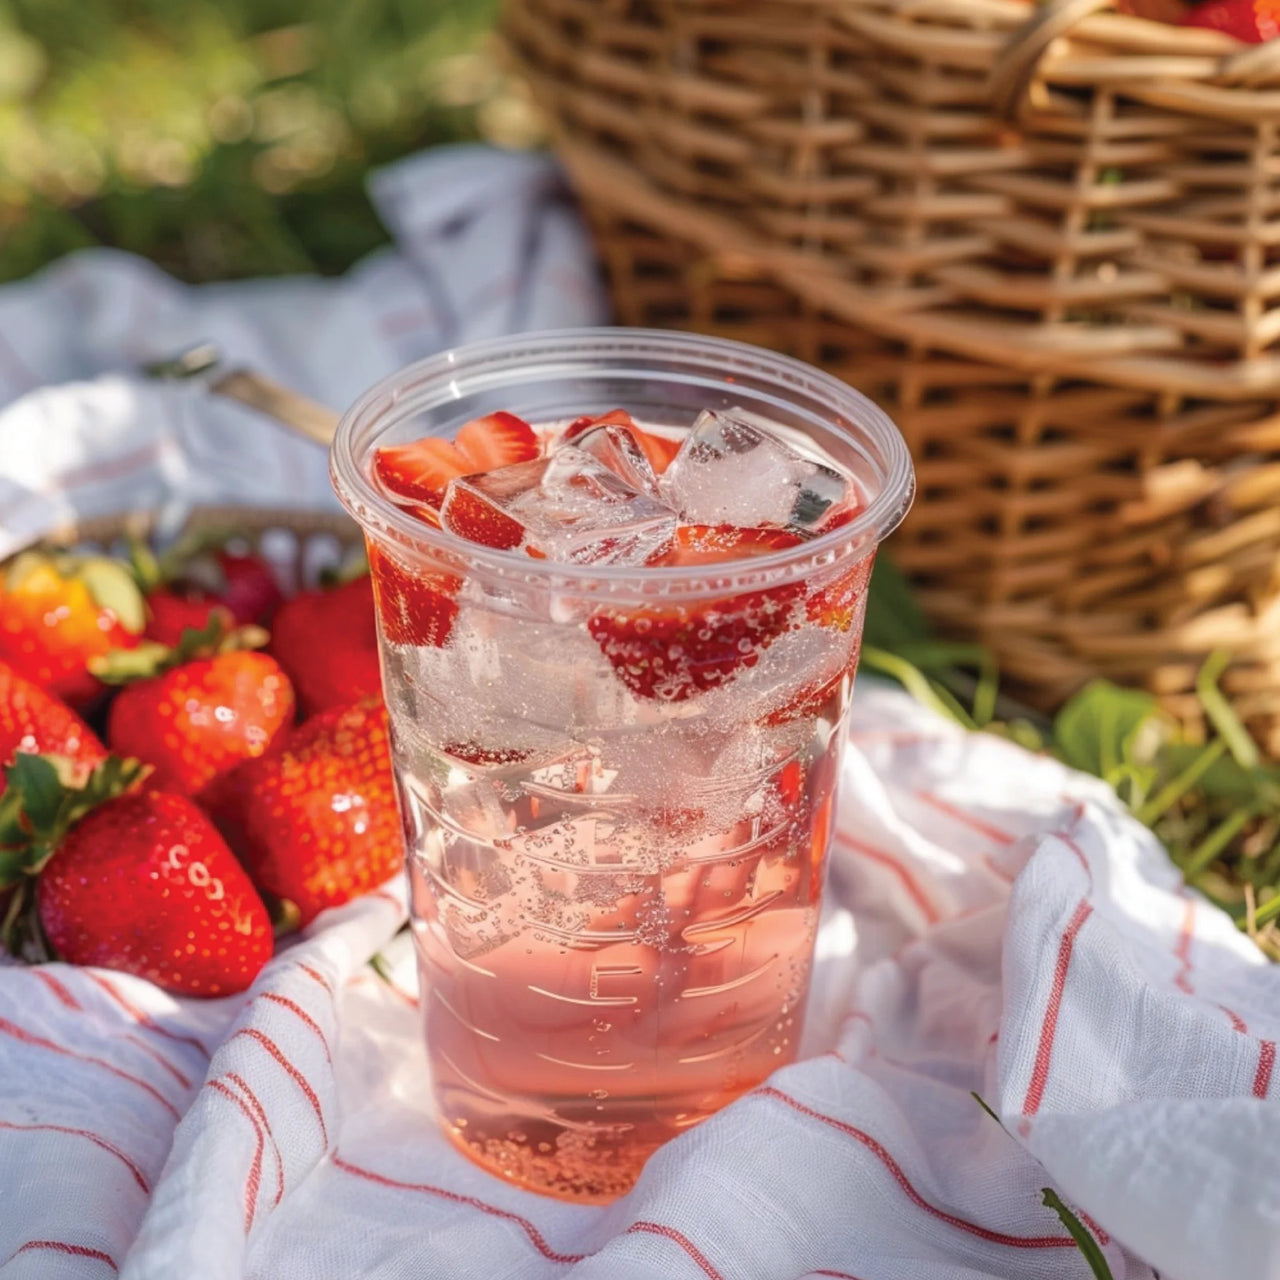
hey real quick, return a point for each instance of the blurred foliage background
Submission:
(227, 138)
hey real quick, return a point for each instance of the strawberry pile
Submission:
(192, 764)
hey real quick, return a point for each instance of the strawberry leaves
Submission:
(39, 806)
(151, 658)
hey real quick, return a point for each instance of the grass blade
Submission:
(982, 1102)
(1267, 912)
(1176, 788)
(911, 678)
(1217, 840)
(1084, 1240)
(1220, 713)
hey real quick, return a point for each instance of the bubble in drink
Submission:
(731, 470)
(566, 506)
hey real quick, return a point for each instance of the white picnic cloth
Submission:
(995, 923)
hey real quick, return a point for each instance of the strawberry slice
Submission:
(497, 440)
(420, 471)
(813, 699)
(471, 517)
(835, 606)
(671, 652)
(698, 544)
(660, 450)
(415, 606)
(475, 754)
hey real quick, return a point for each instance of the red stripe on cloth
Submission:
(109, 469)
(384, 984)
(253, 1183)
(1049, 1027)
(274, 1050)
(260, 1111)
(65, 998)
(160, 1059)
(96, 1138)
(316, 976)
(899, 737)
(670, 1233)
(141, 1016)
(998, 871)
(876, 1149)
(1103, 1238)
(1237, 1022)
(399, 322)
(1078, 851)
(1182, 979)
(1266, 1062)
(61, 1246)
(838, 1275)
(536, 1237)
(970, 820)
(385, 895)
(60, 990)
(26, 1037)
(303, 1016)
(909, 882)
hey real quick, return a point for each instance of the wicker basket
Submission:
(1048, 239)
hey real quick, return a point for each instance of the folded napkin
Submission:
(995, 923)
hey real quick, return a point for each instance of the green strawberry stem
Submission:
(286, 916)
(151, 658)
(143, 564)
(40, 804)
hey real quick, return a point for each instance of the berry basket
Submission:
(1047, 238)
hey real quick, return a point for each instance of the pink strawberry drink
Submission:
(618, 656)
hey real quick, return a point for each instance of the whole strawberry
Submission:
(57, 612)
(171, 613)
(198, 580)
(1253, 21)
(35, 722)
(199, 710)
(327, 641)
(316, 823)
(140, 881)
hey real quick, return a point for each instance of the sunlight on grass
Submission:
(230, 138)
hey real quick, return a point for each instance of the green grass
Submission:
(227, 138)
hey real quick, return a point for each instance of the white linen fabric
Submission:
(994, 923)
(484, 243)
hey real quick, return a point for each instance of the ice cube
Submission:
(731, 469)
(618, 449)
(568, 507)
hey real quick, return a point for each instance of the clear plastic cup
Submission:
(614, 895)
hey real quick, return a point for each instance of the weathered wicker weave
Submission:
(1048, 239)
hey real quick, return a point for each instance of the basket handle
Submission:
(1016, 67)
